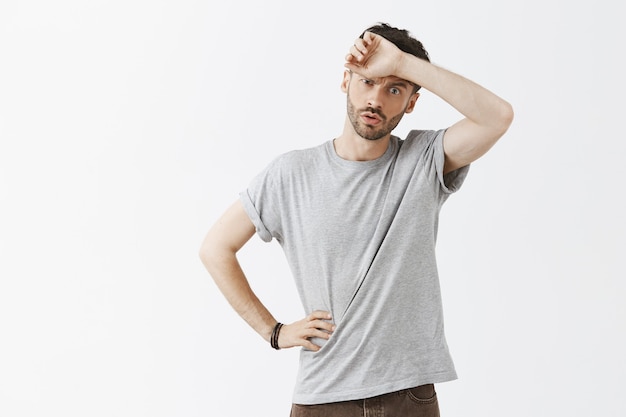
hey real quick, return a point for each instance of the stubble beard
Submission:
(371, 132)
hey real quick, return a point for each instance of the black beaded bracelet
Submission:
(274, 337)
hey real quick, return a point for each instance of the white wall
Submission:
(127, 127)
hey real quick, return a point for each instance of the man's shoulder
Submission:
(417, 140)
(421, 135)
(298, 157)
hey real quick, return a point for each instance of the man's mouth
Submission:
(371, 118)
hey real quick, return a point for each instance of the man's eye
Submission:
(366, 81)
(394, 91)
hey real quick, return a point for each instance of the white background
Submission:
(127, 127)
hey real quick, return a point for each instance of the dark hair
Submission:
(401, 38)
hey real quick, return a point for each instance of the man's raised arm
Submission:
(487, 116)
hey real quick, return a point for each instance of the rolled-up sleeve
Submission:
(263, 201)
(255, 217)
(452, 181)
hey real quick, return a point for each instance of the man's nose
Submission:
(374, 97)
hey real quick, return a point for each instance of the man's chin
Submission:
(372, 136)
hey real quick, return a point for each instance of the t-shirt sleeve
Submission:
(453, 180)
(261, 200)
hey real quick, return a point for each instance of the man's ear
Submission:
(412, 101)
(346, 80)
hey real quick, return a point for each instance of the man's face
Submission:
(375, 107)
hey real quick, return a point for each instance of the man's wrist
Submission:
(275, 335)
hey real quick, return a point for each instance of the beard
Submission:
(371, 132)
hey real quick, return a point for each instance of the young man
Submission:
(357, 218)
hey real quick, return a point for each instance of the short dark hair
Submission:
(401, 38)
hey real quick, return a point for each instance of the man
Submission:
(357, 219)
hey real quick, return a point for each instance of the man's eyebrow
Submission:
(401, 83)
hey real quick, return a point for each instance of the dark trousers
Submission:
(413, 402)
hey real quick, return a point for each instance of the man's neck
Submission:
(352, 147)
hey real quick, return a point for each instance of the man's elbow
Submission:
(209, 253)
(205, 255)
(216, 254)
(505, 117)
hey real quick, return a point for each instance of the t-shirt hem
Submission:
(331, 397)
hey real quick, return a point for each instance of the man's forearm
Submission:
(227, 273)
(473, 101)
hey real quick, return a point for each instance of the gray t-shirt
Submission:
(359, 237)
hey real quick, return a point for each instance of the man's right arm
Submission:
(219, 255)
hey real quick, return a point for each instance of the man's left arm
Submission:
(487, 116)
